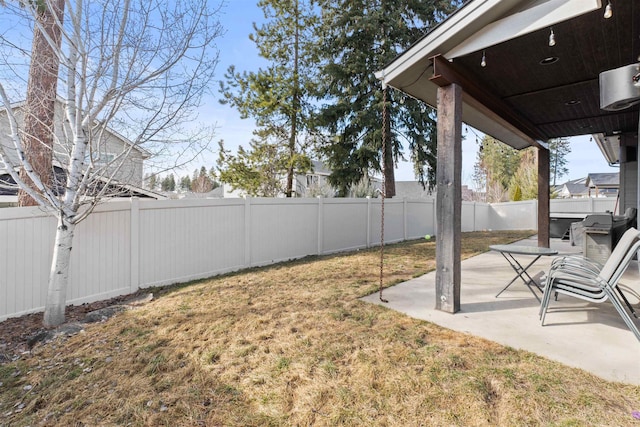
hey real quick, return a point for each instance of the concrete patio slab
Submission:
(592, 337)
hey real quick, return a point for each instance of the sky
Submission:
(236, 49)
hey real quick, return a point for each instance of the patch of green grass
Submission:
(74, 373)
(155, 363)
(283, 363)
(330, 368)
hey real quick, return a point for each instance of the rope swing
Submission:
(384, 188)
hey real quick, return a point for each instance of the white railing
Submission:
(128, 245)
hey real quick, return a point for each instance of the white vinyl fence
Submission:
(128, 245)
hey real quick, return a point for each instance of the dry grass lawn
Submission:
(291, 344)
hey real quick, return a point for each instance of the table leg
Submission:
(521, 271)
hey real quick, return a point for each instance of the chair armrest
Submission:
(577, 260)
(576, 269)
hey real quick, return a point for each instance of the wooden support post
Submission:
(543, 197)
(449, 198)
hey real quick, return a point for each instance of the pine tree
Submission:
(185, 183)
(559, 148)
(278, 97)
(516, 194)
(168, 183)
(152, 181)
(214, 177)
(361, 37)
(258, 170)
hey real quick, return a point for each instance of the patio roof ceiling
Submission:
(516, 97)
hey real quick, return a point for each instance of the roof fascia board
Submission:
(539, 16)
(458, 27)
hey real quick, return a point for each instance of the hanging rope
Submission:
(384, 188)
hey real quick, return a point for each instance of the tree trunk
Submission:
(40, 102)
(59, 275)
(296, 103)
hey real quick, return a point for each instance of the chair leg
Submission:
(620, 307)
(546, 298)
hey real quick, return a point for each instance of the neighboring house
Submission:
(603, 184)
(574, 189)
(415, 190)
(111, 146)
(594, 185)
(228, 192)
(314, 183)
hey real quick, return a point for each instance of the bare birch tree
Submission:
(127, 67)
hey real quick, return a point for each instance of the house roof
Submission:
(8, 187)
(576, 186)
(411, 190)
(603, 180)
(523, 96)
(319, 168)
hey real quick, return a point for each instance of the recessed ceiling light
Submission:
(549, 60)
(572, 102)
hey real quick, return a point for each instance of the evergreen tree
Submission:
(278, 97)
(360, 37)
(258, 170)
(559, 148)
(185, 183)
(152, 181)
(168, 183)
(516, 193)
(214, 177)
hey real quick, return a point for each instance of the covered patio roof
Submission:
(524, 72)
(528, 91)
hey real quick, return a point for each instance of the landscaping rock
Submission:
(140, 300)
(103, 314)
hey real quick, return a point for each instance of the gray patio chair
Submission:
(582, 278)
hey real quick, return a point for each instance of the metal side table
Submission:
(508, 252)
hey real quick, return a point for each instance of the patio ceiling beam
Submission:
(486, 102)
